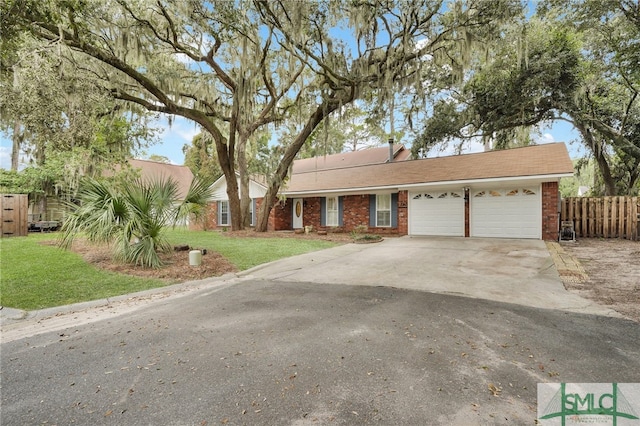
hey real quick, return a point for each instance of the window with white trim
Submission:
(383, 210)
(251, 212)
(223, 214)
(332, 211)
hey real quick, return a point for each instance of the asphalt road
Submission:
(286, 353)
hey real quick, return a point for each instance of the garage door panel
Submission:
(437, 213)
(506, 213)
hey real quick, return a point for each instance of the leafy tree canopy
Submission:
(578, 65)
(62, 126)
(236, 67)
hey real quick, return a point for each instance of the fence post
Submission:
(630, 211)
(605, 216)
(614, 217)
(635, 218)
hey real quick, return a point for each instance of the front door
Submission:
(297, 213)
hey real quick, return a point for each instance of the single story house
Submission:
(218, 215)
(151, 170)
(509, 193)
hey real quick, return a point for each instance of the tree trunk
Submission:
(245, 198)
(17, 139)
(225, 153)
(42, 204)
(634, 175)
(600, 158)
(232, 187)
(290, 153)
(605, 171)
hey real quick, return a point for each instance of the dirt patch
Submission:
(613, 270)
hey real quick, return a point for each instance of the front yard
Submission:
(36, 274)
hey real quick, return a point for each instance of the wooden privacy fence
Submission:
(13, 215)
(602, 217)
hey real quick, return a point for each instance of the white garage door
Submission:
(506, 213)
(436, 213)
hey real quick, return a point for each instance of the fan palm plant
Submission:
(132, 217)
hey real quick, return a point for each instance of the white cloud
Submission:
(5, 157)
(181, 57)
(545, 138)
(468, 147)
(181, 130)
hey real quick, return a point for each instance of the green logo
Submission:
(580, 406)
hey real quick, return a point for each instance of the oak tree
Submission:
(238, 67)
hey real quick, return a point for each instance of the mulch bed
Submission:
(176, 263)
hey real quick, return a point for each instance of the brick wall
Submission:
(281, 216)
(206, 222)
(311, 212)
(550, 200)
(356, 211)
(403, 213)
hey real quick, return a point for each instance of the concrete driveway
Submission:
(504, 270)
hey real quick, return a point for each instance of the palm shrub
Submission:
(131, 217)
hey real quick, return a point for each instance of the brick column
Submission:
(550, 202)
(403, 216)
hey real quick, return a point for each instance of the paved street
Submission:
(268, 352)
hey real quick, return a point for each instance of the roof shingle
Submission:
(377, 155)
(150, 170)
(531, 161)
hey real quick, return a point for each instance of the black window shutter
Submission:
(372, 210)
(340, 211)
(323, 211)
(394, 210)
(254, 214)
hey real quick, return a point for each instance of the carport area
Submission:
(505, 270)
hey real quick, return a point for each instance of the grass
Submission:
(37, 276)
(246, 253)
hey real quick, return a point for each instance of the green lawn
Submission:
(246, 253)
(36, 276)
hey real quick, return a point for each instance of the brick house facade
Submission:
(518, 190)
